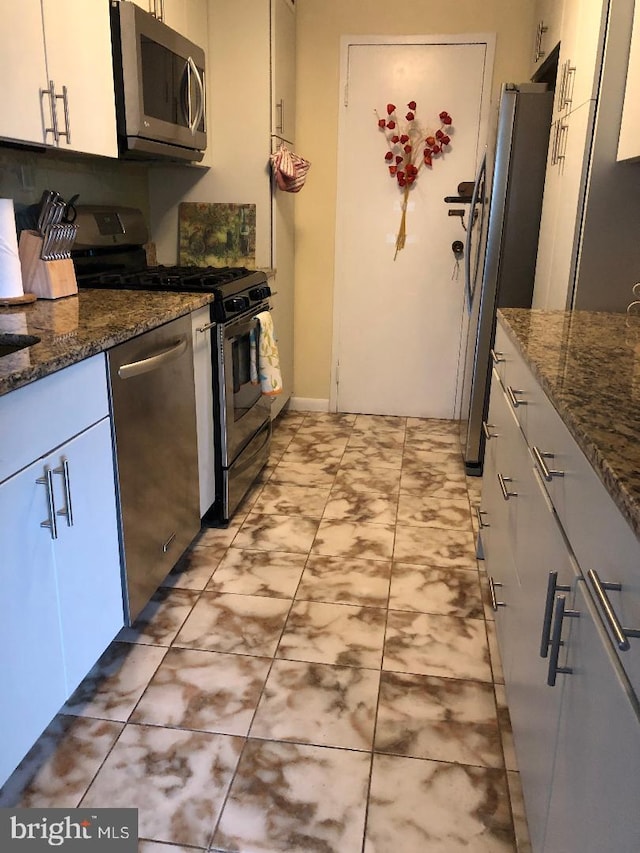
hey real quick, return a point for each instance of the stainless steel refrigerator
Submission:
(501, 244)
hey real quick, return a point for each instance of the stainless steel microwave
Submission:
(159, 87)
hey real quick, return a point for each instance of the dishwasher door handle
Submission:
(155, 361)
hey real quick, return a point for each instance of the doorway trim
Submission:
(346, 42)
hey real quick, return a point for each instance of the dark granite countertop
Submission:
(588, 363)
(76, 327)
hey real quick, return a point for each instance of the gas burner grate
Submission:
(179, 279)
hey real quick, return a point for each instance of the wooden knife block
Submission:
(47, 279)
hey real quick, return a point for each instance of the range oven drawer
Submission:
(239, 477)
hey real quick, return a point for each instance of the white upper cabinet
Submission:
(78, 45)
(629, 141)
(283, 52)
(187, 17)
(548, 26)
(59, 90)
(21, 117)
(562, 206)
(581, 45)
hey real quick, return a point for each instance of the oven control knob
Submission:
(235, 304)
(259, 293)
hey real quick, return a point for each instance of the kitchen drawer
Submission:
(38, 417)
(516, 379)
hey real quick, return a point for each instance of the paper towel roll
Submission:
(10, 270)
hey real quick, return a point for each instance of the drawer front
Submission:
(516, 379)
(605, 544)
(38, 417)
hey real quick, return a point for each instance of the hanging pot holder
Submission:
(289, 169)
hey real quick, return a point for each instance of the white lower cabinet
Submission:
(594, 800)
(86, 553)
(59, 556)
(573, 710)
(32, 668)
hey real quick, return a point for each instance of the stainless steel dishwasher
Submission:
(154, 424)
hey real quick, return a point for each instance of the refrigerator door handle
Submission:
(475, 198)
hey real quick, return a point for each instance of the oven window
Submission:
(245, 392)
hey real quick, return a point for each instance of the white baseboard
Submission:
(308, 404)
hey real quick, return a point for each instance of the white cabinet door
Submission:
(202, 374)
(583, 30)
(87, 554)
(560, 225)
(499, 514)
(31, 665)
(78, 43)
(594, 797)
(188, 17)
(629, 141)
(23, 73)
(283, 97)
(545, 567)
(283, 68)
(548, 26)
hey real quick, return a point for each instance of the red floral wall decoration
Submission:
(409, 150)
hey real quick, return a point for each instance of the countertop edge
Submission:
(59, 350)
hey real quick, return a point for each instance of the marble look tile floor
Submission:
(322, 675)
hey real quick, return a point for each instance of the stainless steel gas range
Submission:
(109, 253)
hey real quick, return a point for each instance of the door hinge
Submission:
(346, 94)
(337, 374)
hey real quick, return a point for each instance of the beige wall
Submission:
(320, 25)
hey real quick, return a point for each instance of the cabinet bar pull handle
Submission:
(620, 634)
(47, 481)
(497, 357)
(167, 544)
(552, 587)
(51, 91)
(546, 472)
(492, 591)
(280, 124)
(562, 87)
(539, 52)
(556, 641)
(67, 510)
(506, 494)
(563, 130)
(206, 327)
(479, 513)
(485, 429)
(554, 144)
(65, 106)
(511, 394)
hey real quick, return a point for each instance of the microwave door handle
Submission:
(192, 69)
(188, 68)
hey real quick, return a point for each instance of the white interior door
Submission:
(397, 323)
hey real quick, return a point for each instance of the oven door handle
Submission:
(155, 361)
(237, 330)
(247, 463)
